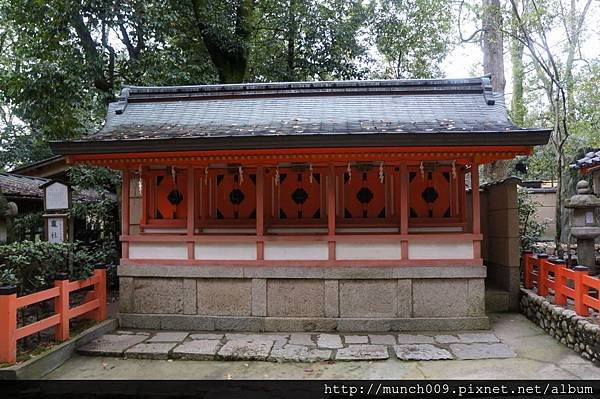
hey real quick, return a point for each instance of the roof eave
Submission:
(530, 137)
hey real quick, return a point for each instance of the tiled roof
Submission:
(21, 186)
(18, 186)
(590, 159)
(389, 107)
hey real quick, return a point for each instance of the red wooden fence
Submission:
(553, 276)
(94, 305)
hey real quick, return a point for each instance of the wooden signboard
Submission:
(57, 196)
(56, 227)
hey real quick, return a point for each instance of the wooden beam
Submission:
(403, 199)
(403, 211)
(191, 211)
(331, 209)
(475, 198)
(260, 212)
(125, 212)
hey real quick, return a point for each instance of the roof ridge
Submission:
(129, 92)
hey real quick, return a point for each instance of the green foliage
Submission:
(7, 276)
(61, 61)
(530, 230)
(96, 220)
(308, 40)
(32, 266)
(412, 36)
(25, 227)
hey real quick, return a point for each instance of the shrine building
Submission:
(309, 206)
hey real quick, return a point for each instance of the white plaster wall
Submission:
(164, 231)
(435, 229)
(367, 230)
(440, 250)
(228, 230)
(295, 230)
(157, 250)
(225, 251)
(367, 250)
(296, 251)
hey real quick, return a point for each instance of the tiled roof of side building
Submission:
(262, 113)
(591, 159)
(15, 186)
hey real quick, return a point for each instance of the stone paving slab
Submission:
(363, 352)
(154, 350)
(414, 339)
(258, 337)
(356, 339)
(481, 351)
(302, 339)
(240, 349)
(382, 339)
(296, 347)
(111, 344)
(446, 339)
(329, 341)
(299, 353)
(468, 338)
(168, 337)
(421, 352)
(198, 349)
(207, 336)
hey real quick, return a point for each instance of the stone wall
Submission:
(500, 247)
(564, 325)
(302, 298)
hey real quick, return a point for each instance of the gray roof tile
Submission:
(590, 159)
(390, 107)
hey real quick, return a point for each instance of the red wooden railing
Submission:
(94, 306)
(552, 276)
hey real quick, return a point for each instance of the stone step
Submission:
(297, 347)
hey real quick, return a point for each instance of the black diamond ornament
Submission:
(299, 196)
(236, 196)
(429, 195)
(175, 197)
(364, 195)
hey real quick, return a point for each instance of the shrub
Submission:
(530, 229)
(32, 266)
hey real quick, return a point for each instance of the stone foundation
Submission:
(564, 325)
(302, 299)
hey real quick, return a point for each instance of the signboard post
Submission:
(57, 201)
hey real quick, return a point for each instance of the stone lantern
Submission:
(584, 228)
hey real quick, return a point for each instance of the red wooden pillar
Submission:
(559, 281)
(204, 200)
(260, 213)
(476, 205)
(331, 210)
(191, 212)
(542, 288)
(125, 212)
(580, 290)
(145, 195)
(403, 210)
(61, 307)
(100, 293)
(8, 325)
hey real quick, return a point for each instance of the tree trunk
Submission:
(493, 64)
(229, 54)
(291, 42)
(518, 75)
